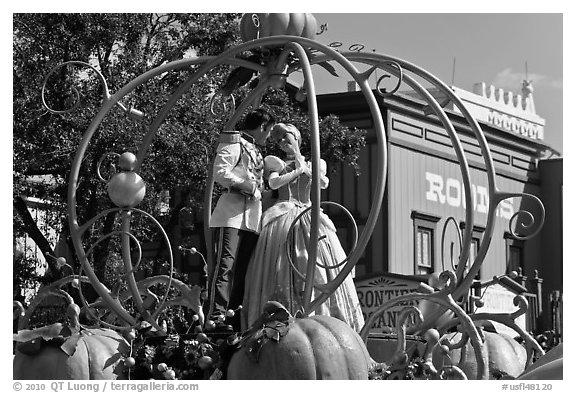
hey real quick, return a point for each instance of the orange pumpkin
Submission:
(505, 357)
(99, 354)
(549, 366)
(317, 347)
(254, 26)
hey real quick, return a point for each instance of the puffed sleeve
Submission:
(273, 164)
(324, 181)
(274, 167)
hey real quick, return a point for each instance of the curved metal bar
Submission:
(246, 103)
(381, 172)
(106, 107)
(382, 164)
(288, 245)
(189, 296)
(127, 258)
(113, 233)
(457, 345)
(100, 161)
(531, 345)
(454, 372)
(464, 169)
(500, 196)
(381, 149)
(112, 100)
(108, 103)
(450, 219)
(207, 63)
(130, 268)
(508, 319)
(315, 188)
(105, 91)
(81, 229)
(170, 255)
(447, 301)
(383, 92)
(52, 289)
(108, 324)
(384, 60)
(442, 297)
(401, 323)
(465, 282)
(381, 137)
(224, 110)
(354, 235)
(100, 289)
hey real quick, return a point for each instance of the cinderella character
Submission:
(269, 275)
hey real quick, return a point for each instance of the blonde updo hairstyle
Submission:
(281, 129)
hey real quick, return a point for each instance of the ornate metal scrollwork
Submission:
(382, 91)
(298, 52)
(74, 90)
(289, 245)
(524, 217)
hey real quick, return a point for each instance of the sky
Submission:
(462, 49)
(460, 44)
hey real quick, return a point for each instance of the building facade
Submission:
(423, 212)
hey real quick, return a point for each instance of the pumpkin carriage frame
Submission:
(294, 41)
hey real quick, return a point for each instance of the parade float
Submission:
(122, 334)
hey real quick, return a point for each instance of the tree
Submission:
(121, 47)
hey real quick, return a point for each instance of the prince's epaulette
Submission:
(229, 137)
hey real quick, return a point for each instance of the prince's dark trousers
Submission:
(226, 277)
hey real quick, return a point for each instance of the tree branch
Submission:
(35, 234)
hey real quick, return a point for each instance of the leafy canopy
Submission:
(122, 47)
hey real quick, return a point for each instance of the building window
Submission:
(514, 254)
(477, 233)
(474, 246)
(424, 242)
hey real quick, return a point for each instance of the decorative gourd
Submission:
(549, 366)
(69, 351)
(506, 358)
(281, 347)
(98, 355)
(126, 188)
(296, 24)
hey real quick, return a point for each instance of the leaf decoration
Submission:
(46, 332)
(217, 374)
(328, 67)
(273, 324)
(272, 333)
(67, 336)
(69, 346)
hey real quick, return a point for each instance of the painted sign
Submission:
(451, 192)
(375, 291)
(498, 299)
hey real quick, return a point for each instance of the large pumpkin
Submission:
(505, 357)
(549, 366)
(296, 24)
(317, 347)
(98, 354)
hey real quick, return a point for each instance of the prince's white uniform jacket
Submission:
(238, 167)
